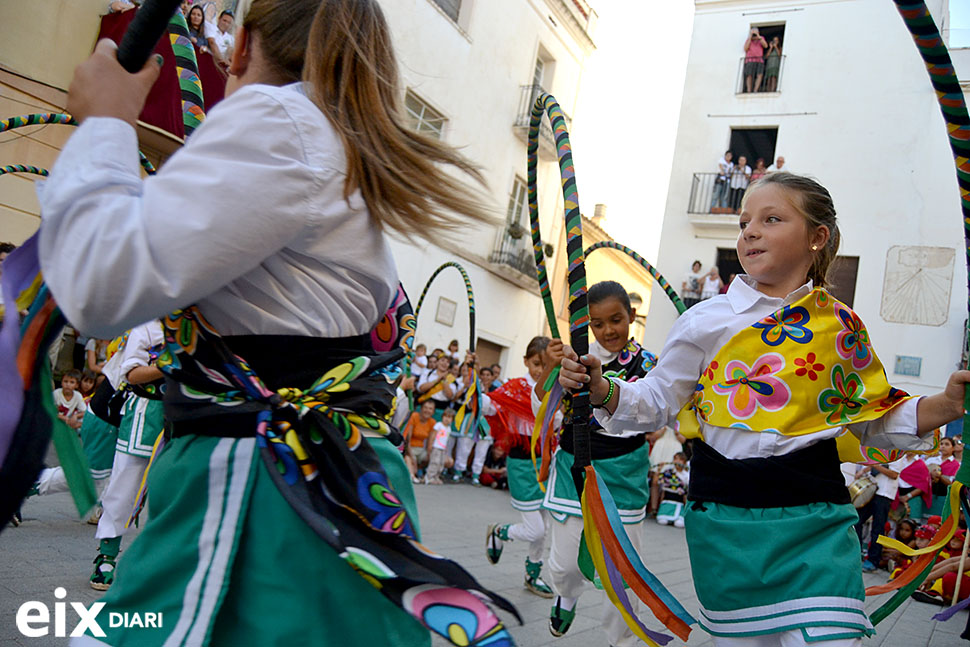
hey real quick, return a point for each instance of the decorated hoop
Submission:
(469, 418)
(40, 118)
(661, 281)
(611, 551)
(23, 168)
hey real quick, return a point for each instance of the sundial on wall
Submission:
(916, 287)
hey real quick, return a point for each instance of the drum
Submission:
(862, 490)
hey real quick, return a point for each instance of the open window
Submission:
(761, 73)
(754, 144)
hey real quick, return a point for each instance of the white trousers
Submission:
(465, 448)
(531, 529)
(784, 639)
(118, 499)
(52, 481)
(567, 580)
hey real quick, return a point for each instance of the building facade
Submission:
(851, 106)
(471, 71)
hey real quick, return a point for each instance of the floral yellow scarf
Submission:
(805, 368)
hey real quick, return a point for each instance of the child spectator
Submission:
(690, 289)
(897, 562)
(416, 435)
(941, 582)
(69, 401)
(437, 385)
(673, 482)
(740, 178)
(439, 447)
(420, 364)
(88, 382)
(453, 349)
(495, 474)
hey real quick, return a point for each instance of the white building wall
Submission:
(857, 112)
(472, 73)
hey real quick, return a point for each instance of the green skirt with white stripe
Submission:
(142, 421)
(226, 561)
(766, 570)
(523, 485)
(99, 439)
(625, 476)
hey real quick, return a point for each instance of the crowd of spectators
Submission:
(908, 504)
(732, 179)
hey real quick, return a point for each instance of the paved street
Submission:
(53, 549)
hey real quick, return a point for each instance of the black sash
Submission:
(603, 445)
(280, 361)
(809, 475)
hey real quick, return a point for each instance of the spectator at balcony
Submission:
(719, 196)
(779, 165)
(759, 169)
(740, 178)
(754, 60)
(690, 289)
(224, 36)
(199, 32)
(712, 284)
(773, 65)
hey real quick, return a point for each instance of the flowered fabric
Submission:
(314, 448)
(805, 368)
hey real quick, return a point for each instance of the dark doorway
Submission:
(728, 264)
(770, 31)
(842, 276)
(754, 143)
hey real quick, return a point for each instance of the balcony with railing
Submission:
(713, 203)
(771, 71)
(513, 247)
(547, 139)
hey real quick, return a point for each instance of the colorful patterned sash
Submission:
(805, 368)
(313, 444)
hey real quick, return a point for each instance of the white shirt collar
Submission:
(743, 294)
(601, 353)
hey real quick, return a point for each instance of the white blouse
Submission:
(248, 220)
(695, 339)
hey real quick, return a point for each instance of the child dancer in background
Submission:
(765, 377)
(673, 483)
(512, 429)
(621, 460)
(290, 269)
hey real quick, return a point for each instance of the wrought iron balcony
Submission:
(515, 252)
(767, 84)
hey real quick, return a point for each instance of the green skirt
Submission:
(99, 439)
(226, 560)
(523, 486)
(766, 570)
(625, 477)
(141, 422)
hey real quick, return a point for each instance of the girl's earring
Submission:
(814, 248)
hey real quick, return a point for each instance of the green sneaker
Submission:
(497, 534)
(560, 620)
(104, 572)
(532, 580)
